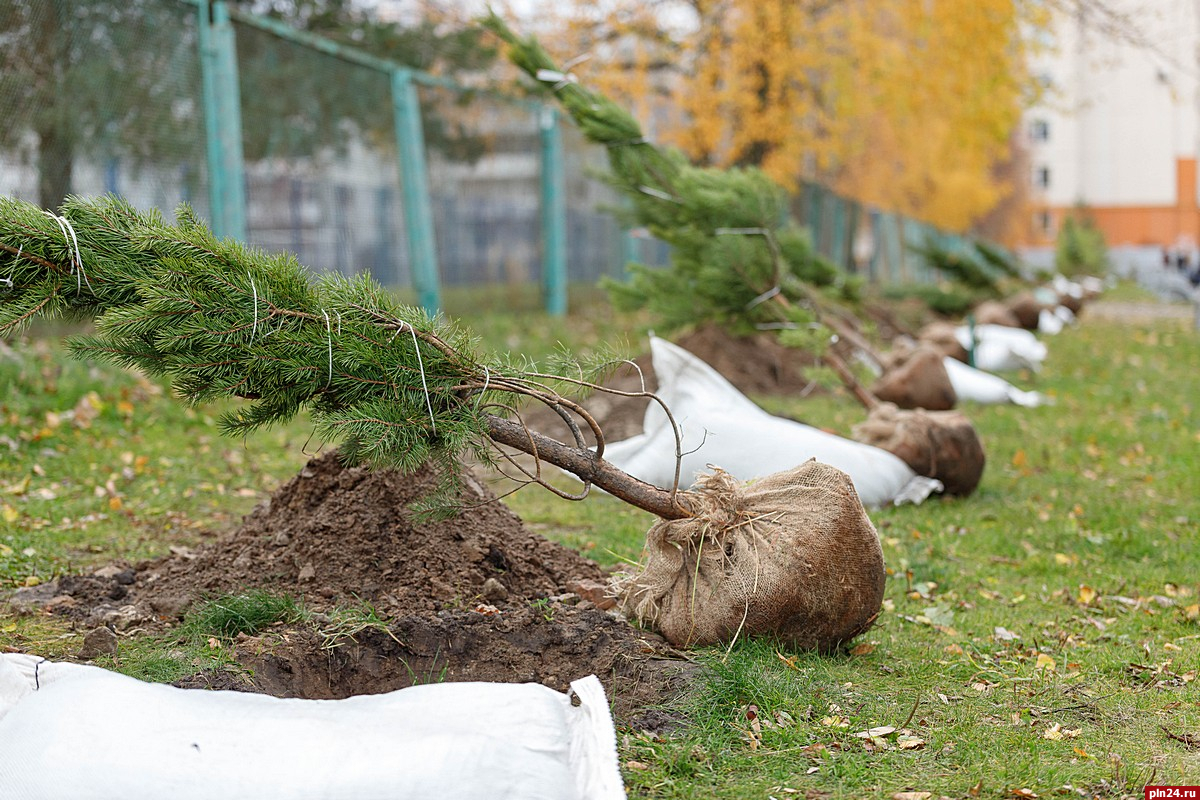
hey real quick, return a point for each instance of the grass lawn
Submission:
(1039, 638)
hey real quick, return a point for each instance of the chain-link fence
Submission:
(101, 97)
(297, 144)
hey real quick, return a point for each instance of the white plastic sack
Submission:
(721, 426)
(999, 348)
(976, 386)
(1049, 322)
(84, 733)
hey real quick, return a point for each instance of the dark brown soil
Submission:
(476, 597)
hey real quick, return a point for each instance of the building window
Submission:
(1041, 177)
(1039, 130)
(1043, 223)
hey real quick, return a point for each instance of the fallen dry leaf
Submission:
(1004, 634)
(871, 733)
(912, 795)
(637, 765)
(910, 743)
(1087, 594)
(862, 649)
(1045, 662)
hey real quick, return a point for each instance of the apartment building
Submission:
(1117, 129)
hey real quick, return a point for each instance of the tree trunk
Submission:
(54, 126)
(587, 466)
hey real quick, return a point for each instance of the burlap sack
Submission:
(1071, 301)
(991, 312)
(792, 555)
(943, 336)
(1025, 308)
(915, 377)
(936, 444)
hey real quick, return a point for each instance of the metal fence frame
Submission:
(873, 244)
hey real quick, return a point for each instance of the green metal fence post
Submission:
(554, 214)
(222, 121)
(837, 246)
(414, 181)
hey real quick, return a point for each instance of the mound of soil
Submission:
(476, 597)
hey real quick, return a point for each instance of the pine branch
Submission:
(736, 258)
(395, 386)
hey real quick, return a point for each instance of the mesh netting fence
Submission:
(321, 169)
(101, 97)
(115, 102)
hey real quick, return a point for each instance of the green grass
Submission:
(1046, 630)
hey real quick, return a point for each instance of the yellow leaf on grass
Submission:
(1053, 733)
(115, 504)
(912, 795)
(1192, 611)
(1045, 662)
(1079, 751)
(1019, 459)
(32, 580)
(9, 513)
(1086, 594)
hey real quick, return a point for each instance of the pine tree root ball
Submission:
(792, 555)
(915, 377)
(937, 444)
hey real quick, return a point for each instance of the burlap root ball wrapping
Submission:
(992, 312)
(944, 339)
(1026, 309)
(915, 377)
(792, 555)
(937, 444)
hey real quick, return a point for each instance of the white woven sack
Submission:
(999, 348)
(721, 426)
(976, 386)
(84, 733)
(1049, 322)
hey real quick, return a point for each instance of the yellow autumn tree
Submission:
(907, 105)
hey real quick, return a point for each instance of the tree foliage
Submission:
(733, 245)
(906, 105)
(395, 386)
(1080, 248)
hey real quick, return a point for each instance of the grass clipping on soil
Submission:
(792, 555)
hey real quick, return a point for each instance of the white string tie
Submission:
(764, 297)
(487, 379)
(253, 288)
(68, 232)
(421, 366)
(329, 337)
(659, 193)
(559, 79)
(8, 282)
(742, 231)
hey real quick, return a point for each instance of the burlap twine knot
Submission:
(793, 555)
